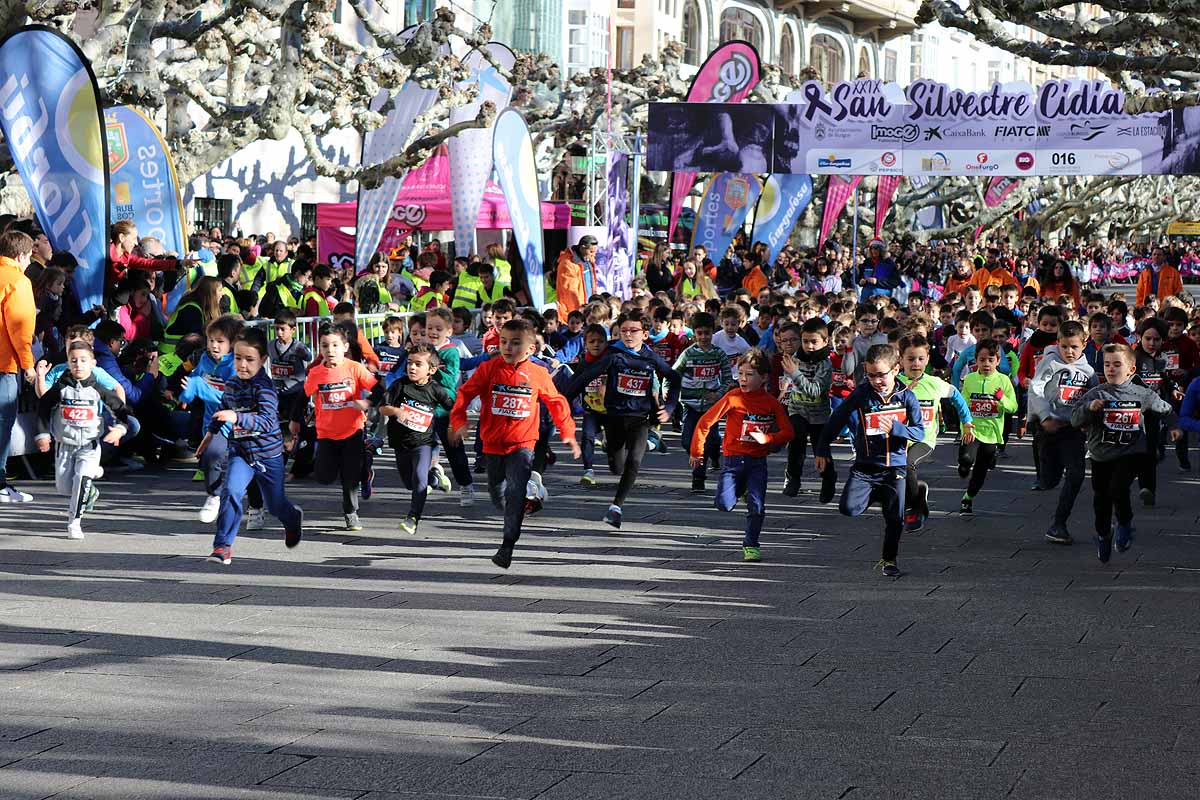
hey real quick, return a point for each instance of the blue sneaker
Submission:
(1124, 537)
(613, 517)
(368, 485)
(1103, 549)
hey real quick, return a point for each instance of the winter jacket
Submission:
(73, 410)
(255, 435)
(1118, 429)
(629, 388)
(863, 411)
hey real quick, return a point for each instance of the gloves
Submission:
(998, 394)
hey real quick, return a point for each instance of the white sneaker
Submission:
(74, 529)
(439, 479)
(210, 509)
(534, 490)
(256, 519)
(10, 495)
(467, 497)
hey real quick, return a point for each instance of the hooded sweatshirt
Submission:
(629, 385)
(805, 392)
(1057, 385)
(1119, 429)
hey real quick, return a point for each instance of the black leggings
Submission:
(1111, 481)
(341, 458)
(918, 453)
(981, 458)
(1147, 474)
(798, 448)
(626, 441)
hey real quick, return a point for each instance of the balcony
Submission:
(885, 19)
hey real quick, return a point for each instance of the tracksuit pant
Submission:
(267, 474)
(1063, 455)
(626, 440)
(75, 468)
(341, 458)
(1111, 481)
(513, 470)
(413, 467)
(712, 444)
(870, 483)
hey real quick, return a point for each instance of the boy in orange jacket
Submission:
(510, 389)
(756, 424)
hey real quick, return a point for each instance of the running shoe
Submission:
(923, 499)
(292, 537)
(368, 485)
(1058, 534)
(966, 506)
(913, 522)
(9, 494)
(1124, 537)
(1185, 465)
(503, 557)
(889, 569)
(791, 488)
(828, 488)
(698, 485)
(589, 478)
(613, 516)
(409, 525)
(197, 476)
(74, 529)
(256, 519)
(438, 478)
(479, 467)
(93, 495)
(221, 555)
(751, 554)
(210, 509)
(352, 523)
(466, 495)
(1104, 548)
(1147, 497)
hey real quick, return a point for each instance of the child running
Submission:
(756, 425)
(409, 405)
(705, 375)
(990, 395)
(887, 417)
(595, 340)
(250, 405)
(1114, 414)
(805, 381)
(207, 383)
(629, 366)
(510, 389)
(930, 391)
(72, 410)
(336, 386)
(1058, 382)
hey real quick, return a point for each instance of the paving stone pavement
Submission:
(649, 663)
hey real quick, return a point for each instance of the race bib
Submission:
(706, 372)
(282, 370)
(78, 413)
(928, 412)
(596, 386)
(875, 420)
(1068, 389)
(633, 384)
(514, 402)
(243, 433)
(1153, 380)
(387, 361)
(415, 416)
(757, 423)
(335, 395)
(839, 378)
(1122, 419)
(1172, 360)
(984, 405)
(215, 382)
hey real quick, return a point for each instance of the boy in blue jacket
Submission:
(629, 367)
(885, 418)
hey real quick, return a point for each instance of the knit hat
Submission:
(876, 243)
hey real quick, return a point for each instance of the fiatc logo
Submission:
(1024, 161)
(983, 163)
(833, 162)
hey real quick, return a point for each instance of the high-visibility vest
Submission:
(255, 276)
(278, 269)
(322, 303)
(503, 272)
(227, 293)
(421, 301)
(467, 293)
(495, 294)
(418, 282)
(171, 340)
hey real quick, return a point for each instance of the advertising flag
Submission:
(516, 171)
(375, 204)
(471, 150)
(723, 210)
(884, 192)
(142, 177)
(998, 189)
(614, 262)
(837, 194)
(783, 200)
(727, 76)
(50, 113)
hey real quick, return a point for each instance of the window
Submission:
(416, 11)
(916, 58)
(889, 66)
(737, 23)
(827, 58)
(577, 18)
(308, 220)
(864, 65)
(787, 52)
(691, 34)
(625, 3)
(624, 47)
(993, 75)
(208, 212)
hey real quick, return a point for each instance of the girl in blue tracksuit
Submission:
(629, 367)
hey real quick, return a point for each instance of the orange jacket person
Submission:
(575, 279)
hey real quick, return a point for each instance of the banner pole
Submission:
(635, 204)
(854, 237)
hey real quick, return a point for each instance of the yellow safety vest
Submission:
(226, 292)
(322, 303)
(421, 301)
(490, 297)
(467, 293)
(251, 272)
(277, 270)
(503, 272)
(171, 340)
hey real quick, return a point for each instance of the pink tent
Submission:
(424, 203)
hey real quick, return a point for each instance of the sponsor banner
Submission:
(1086, 133)
(516, 171)
(998, 189)
(884, 193)
(783, 200)
(723, 210)
(727, 76)
(389, 139)
(614, 261)
(988, 133)
(50, 114)
(471, 150)
(837, 194)
(855, 128)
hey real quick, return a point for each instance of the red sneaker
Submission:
(222, 555)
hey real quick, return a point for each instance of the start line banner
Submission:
(868, 127)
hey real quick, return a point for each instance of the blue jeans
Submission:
(268, 474)
(513, 470)
(10, 388)
(712, 445)
(745, 475)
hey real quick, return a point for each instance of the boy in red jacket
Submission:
(756, 424)
(510, 388)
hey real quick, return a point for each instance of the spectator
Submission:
(19, 313)
(575, 280)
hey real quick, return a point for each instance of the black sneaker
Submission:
(1147, 497)
(480, 467)
(1058, 535)
(291, 538)
(1185, 465)
(828, 487)
(1103, 548)
(1037, 487)
(791, 488)
(965, 506)
(698, 485)
(913, 522)
(503, 557)
(1124, 537)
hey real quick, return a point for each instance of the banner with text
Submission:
(50, 113)
(142, 178)
(516, 172)
(783, 200)
(723, 210)
(614, 262)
